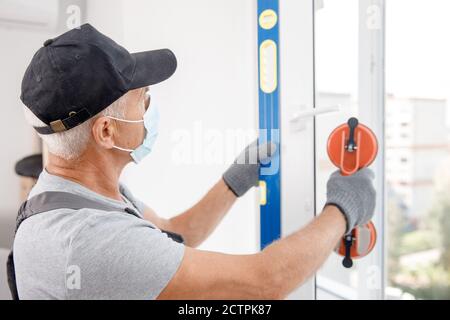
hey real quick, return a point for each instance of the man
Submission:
(88, 98)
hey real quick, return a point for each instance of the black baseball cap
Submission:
(81, 72)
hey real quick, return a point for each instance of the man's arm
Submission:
(270, 274)
(284, 265)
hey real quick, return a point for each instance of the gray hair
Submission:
(72, 143)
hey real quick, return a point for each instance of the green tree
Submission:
(396, 225)
(439, 221)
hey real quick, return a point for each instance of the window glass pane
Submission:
(417, 149)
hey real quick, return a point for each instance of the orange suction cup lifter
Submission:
(351, 147)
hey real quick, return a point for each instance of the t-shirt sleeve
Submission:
(118, 256)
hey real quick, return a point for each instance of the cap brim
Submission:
(152, 67)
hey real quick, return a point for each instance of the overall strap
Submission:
(52, 200)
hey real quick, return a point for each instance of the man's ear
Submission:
(103, 131)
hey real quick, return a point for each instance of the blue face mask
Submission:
(151, 120)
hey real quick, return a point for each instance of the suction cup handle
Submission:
(348, 241)
(352, 124)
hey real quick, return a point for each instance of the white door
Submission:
(297, 137)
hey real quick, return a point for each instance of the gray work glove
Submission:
(244, 172)
(354, 195)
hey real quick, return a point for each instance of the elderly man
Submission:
(82, 234)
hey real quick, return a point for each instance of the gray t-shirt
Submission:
(92, 254)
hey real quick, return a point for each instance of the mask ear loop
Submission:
(123, 149)
(124, 120)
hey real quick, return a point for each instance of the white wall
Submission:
(17, 137)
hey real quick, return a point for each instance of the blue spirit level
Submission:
(269, 121)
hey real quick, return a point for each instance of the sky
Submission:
(418, 48)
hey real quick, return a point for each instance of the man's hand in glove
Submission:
(244, 172)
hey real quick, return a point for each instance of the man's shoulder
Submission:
(64, 225)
